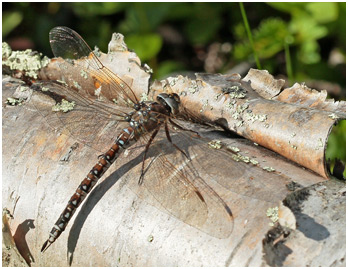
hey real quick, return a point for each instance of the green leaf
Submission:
(309, 52)
(167, 67)
(204, 23)
(144, 17)
(146, 46)
(337, 144)
(269, 39)
(96, 8)
(306, 28)
(10, 20)
(239, 31)
(291, 8)
(323, 12)
(201, 31)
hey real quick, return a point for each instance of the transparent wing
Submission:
(92, 122)
(68, 44)
(204, 189)
(226, 167)
(178, 187)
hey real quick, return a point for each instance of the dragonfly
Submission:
(154, 125)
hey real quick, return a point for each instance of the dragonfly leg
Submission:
(184, 129)
(144, 156)
(170, 140)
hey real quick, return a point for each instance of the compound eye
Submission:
(171, 102)
(175, 97)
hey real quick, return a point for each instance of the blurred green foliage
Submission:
(336, 145)
(304, 41)
(311, 30)
(10, 20)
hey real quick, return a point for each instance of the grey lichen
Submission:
(215, 144)
(147, 69)
(97, 51)
(144, 97)
(268, 169)
(97, 91)
(62, 82)
(243, 158)
(333, 116)
(6, 50)
(193, 87)
(235, 92)
(14, 101)
(204, 106)
(272, 213)
(150, 238)
(320, 144)
(234, 149)
(28, 61)
(64, 106)
(117, 43)
(23, 88)
(250, 116)
(83, 74)
(77, 85)
(254, 162)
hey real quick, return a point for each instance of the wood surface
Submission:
(120, 225)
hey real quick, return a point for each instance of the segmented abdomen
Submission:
(123, 141)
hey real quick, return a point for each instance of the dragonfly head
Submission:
(170, 101)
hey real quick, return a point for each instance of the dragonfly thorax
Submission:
(148, 116)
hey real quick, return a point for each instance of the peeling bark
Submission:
(122, 224)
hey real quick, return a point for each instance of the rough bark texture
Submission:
(116, 227)
(123, 224)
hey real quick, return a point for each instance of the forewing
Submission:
(91, 122)
(67, 44)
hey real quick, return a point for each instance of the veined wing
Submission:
(177, 187)
(92, 122)
(68, 44)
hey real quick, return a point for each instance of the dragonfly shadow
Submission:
(92, 200)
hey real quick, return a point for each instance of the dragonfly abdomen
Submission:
(123, 141)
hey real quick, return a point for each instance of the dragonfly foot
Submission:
(45, 246)
(141, 179)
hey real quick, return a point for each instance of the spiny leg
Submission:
(170, 140)
(144, 157)
(184, 129)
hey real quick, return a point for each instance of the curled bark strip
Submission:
(296, 123)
